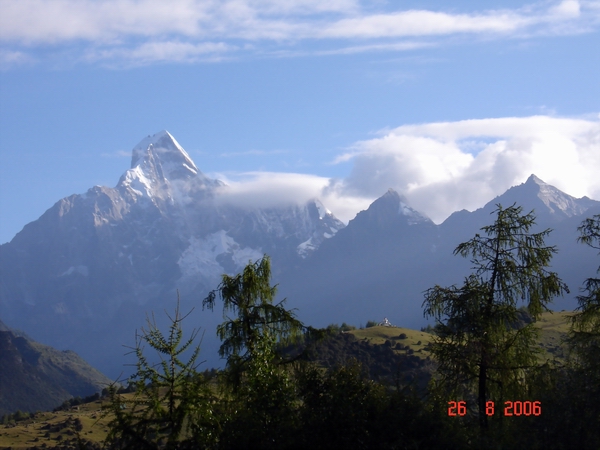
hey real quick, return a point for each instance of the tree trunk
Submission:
(483, 423)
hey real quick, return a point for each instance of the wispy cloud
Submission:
(424, 23)
(253, 153)
(385, 47)
(117, 154)
(165, 51)
(151, 31)
(10, 59)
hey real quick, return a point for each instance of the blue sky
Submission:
(450, 103)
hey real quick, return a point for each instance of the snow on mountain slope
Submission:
(205, 256)
(326, 227)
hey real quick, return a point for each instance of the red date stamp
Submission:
(518, 408)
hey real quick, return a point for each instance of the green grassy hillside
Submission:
(413, 342)
(553, 326)
(554, 329)
(79, 427)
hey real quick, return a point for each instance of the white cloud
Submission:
(435, 167)
(269, 189)
(424, 23)
(43, 21)
(440, 167)
(148, 30)
(566, 9)
(272, 189)
(394, 46)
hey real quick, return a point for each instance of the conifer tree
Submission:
(586, 323)
(171, 406)
(257, 320)
(482, 349)
(263, 394)
(584, 385)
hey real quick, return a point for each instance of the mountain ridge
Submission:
(38, 377)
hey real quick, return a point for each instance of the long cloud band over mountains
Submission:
(444, 167)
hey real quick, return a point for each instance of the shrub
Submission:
(346, 327)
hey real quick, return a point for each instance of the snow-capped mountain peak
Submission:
(162, 153)
(162, 169)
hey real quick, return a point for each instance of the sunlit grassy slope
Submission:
(57, 428)
(554, 327)
(414, 340)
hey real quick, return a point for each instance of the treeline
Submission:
(289, 386)
(17, 416)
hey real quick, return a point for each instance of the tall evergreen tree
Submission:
(172, 404)
(262, 412)
(586, 323)
(483, 350)
(249, 296)
(584, 385)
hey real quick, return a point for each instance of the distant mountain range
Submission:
(380, 264)
(84, 274)
(35, 377)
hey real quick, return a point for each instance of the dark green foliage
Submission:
(483, 347)
(346, 327)
(343, 409)
(340, 407)
(334, 328)
(371, 323)
(249, 296)
(172, 405)
(428, 329)
(261, 410)
(570, 412)
(17, 416)
(585, 330)
(379, 362)
(262, 395)
(331, 390)
(581, 379)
